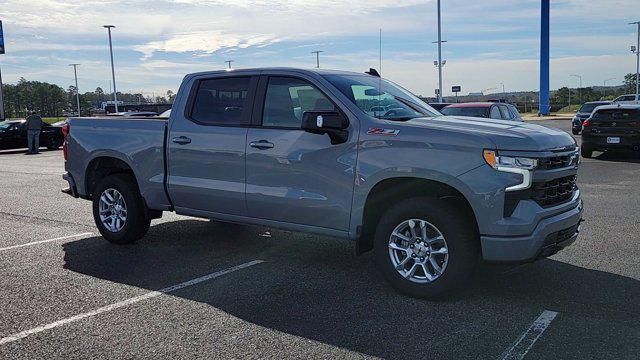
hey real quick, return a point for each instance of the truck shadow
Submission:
(315, 288)
(618, 156)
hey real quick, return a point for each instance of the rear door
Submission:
(293, 176)
(206, 146)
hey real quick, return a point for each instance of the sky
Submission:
(489, 42)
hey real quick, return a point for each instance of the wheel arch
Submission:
(103, 165)
(393, 189)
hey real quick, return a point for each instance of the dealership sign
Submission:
(1, 39)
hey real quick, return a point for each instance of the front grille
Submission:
(555, 162)
(546, 194)
(555, 191)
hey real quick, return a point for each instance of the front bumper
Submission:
(549, 236)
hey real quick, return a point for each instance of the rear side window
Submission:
(288, 98)
(222, 101)
(505, 112)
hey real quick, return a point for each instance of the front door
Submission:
(294, 176)
(206, 147)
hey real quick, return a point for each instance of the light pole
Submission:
(229, 64)
(113, 72)
(317, 52)
(604, 85)
(637, 62)
(580, 88)
(439, 56)
(504, 95)
(75, 74)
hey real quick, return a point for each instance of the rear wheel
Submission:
(118, 210)
(426, 248)
(53, 143)
(575, 131)
(586, 152)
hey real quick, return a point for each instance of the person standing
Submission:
(34, 126)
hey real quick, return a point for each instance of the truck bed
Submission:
(138, 142)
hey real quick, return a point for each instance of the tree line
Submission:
(52, 100)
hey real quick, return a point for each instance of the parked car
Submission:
(491, 110)
(165, 114)
(610, 127)
(626, 99)
(296, 149)
(13, 135)
(583, 113)
(439, 106)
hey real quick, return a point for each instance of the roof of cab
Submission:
(292, 69)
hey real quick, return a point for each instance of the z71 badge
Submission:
(384, 132)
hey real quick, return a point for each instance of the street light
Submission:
(113, 72)
(229, 64)
(637, 51)
(75, 74)
(504, 96)
(580, 88)
(317, 52)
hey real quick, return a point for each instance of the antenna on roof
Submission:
(372, 72)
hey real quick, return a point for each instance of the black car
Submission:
(611, 127)
(13, 135)
(583, 114)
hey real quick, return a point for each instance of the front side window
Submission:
(222, 101)
(381, 98)
(288, 98)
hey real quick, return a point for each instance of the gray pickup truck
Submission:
(295, 149)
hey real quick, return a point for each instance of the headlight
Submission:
(512, 164)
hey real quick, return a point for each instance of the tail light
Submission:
(65, 133)
(586, 123)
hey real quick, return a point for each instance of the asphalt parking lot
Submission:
(67, 293)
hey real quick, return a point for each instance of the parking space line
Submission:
(133, 300)
(44, 241)
(523, 344)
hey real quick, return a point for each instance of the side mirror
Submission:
(326, 122)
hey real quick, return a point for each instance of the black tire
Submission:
(53, 143)
(461, 237)
(586, 152)
(137, 223)
(575, 131)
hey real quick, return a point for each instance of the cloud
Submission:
(205, 41)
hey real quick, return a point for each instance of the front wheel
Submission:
(426, 248)
(118, 210)
(586, 152)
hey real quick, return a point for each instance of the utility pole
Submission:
(439, 56)
(504, 95)
(113, 72)
(580, 88)
(229, 64)
(75, 74)
(317, 52)
(637, 62)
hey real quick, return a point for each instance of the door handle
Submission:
(262, 144)
(182, 140)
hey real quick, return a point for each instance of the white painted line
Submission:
(521, 347)
(44, 241)
(133, 300)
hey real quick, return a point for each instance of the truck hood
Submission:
(506, 135)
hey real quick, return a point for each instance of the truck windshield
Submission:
(381, 98)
